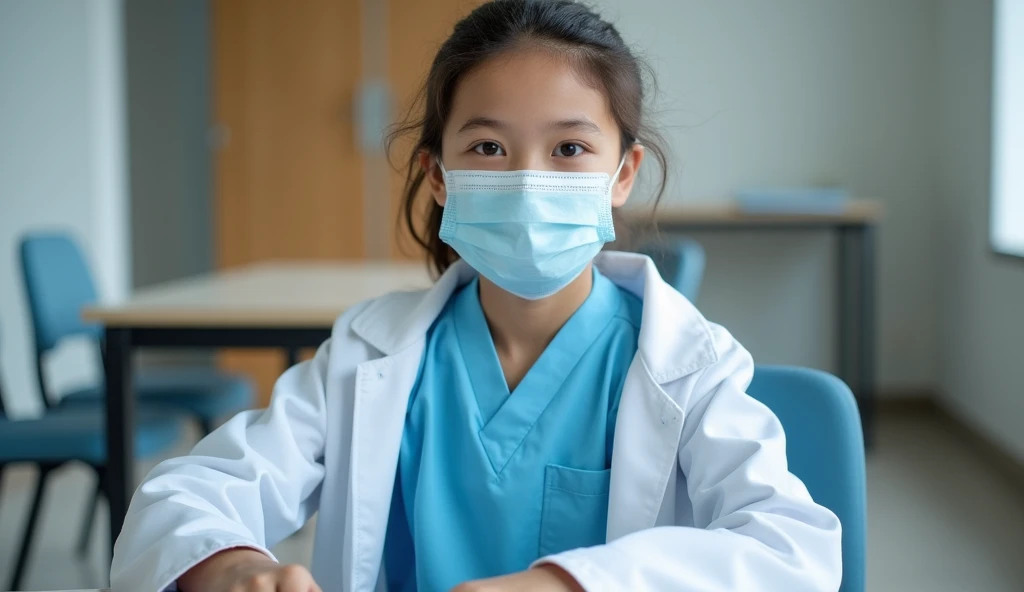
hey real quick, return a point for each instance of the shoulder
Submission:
(731, 358)
(350, 321)
(364, 333)
(696, 358)
(392, 322)
(365, 323)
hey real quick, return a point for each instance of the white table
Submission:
(279, 305)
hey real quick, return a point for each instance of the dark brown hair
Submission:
(592, 45)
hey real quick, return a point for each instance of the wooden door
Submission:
(288, 176)
(416, 31)
(290, 172)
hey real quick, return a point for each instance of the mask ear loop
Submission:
(444, 172)
(621, 164)
(618, 170)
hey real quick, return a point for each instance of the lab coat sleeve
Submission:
(756, 527)
(250, 483)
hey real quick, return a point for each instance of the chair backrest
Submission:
(58, 285)
(825, 447)
(680, 262)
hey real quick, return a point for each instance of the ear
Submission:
(627, 176)
(434, 177)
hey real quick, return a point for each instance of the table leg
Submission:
(120, 425)
(844, 306)
(866, 322)
(856, 331)
(291, 357)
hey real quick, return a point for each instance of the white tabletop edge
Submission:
(267, 294)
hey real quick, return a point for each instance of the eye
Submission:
(569, 150)
(489, 149)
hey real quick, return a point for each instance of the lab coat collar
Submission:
(674, 340)
(397, 320)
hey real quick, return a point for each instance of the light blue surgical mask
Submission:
(529, 232)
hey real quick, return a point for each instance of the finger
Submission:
(261, 582)
(294, 578)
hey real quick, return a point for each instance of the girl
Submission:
(544, 418)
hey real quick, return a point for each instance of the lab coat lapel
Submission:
(647, 433)
(674, 342)
(382, 394)
(396, 325)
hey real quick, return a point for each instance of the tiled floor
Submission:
(940, 520)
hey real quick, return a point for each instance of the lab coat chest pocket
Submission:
(575, 512)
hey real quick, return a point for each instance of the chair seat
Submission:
(77, 433)
(203, 392)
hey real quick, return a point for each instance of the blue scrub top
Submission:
(489, 481)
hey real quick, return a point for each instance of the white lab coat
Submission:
(701, 498)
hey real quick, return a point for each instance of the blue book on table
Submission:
(811, 200)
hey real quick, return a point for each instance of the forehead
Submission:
(527, 88)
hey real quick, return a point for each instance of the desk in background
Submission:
(281, 305)
(856, 269)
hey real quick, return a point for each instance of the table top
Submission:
(727, 213)
(265, 295)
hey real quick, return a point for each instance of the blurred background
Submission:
(173, 139)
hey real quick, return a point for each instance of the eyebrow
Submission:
(580, 124)
(478, 122)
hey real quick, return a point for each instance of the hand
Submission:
(245, 570)
(545, 578)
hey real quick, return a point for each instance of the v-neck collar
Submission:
(508, 418)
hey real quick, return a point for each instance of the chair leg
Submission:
(85, 532)
(30, 528)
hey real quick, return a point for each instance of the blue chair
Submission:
(74, 433)
(680, 261)
(825, 446)
(59, 285)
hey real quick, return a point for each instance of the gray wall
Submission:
(982, 322)
(61, 165)
(792, 92)
(168, 81)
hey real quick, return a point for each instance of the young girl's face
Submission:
(530, 110)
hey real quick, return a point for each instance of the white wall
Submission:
(797, 92)
(61, 163)
(982, 373)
